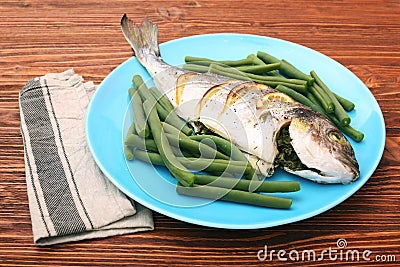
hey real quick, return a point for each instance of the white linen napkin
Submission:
(69, 197)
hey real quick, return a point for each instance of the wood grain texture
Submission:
(37, 37)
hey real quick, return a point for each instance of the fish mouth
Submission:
(351, 164)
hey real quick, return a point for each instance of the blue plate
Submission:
(107, 116)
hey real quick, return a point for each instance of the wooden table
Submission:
(37, 37)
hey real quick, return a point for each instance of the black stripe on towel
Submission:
(33, 185)
(52, 179)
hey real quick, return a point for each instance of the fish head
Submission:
(322, 149)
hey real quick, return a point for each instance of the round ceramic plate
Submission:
(107, 118)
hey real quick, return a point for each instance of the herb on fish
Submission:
(287, 157)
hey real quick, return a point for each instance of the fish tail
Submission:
(142, 38)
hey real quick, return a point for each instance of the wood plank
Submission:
(44, 36)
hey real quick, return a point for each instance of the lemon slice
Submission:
(272, 97)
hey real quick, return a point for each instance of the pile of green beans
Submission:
(206, 166)
(281, 75)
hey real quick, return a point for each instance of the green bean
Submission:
(182, 153)
(245, 185)
(195, 68)
(206, 61)
(340, 113)
(346, 104)
(252, 76)
(162, 99)
(298, 85)
(279, 80)
(275, 80)
(286, 68)
(142, 88)
(297, 96)
(127, 150)
(221, 161)
(316, 105)
(267, 80)
(148, 157)
(257, 61)
(323, 98)
(128, 153)
(196, 164)
(326, 97)
(236, 196)
(176, 137)
(291, 71)
(216, 165)
(313, 99)
(274, 73)
(173, 119)
(229, 149)
(199, 148)
(174, 166)
(168, 128)
(267, 58)
(259, 69)
(352, 133)
(320, 109)
(223, 145)
(131, 129)
(229, 72)
(299, 88)
(134, 140)
(349, 130)
(203, 63)
(138, 114)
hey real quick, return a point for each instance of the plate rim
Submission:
(267, 224)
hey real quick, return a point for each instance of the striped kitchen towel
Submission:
(69, 198)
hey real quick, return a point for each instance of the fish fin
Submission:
(142, 38)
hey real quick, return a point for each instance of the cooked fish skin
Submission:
(229, 108)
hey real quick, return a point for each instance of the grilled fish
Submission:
(249, 114)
